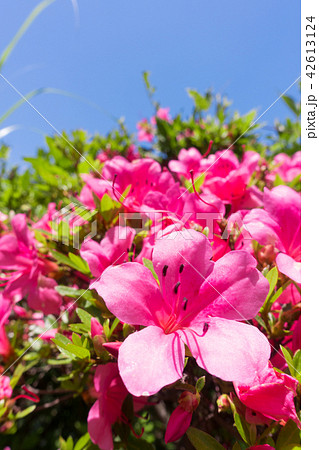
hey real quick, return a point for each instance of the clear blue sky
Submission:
(249, 51)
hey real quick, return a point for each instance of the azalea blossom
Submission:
(27, 271)
(107, 408)
(198, 303)
(5, 388)
(278, 226)
(113, 249)
(5, 310)
(271, 394)
(181, 417)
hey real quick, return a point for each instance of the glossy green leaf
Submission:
(202, 440)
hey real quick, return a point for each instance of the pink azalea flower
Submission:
(107, 408)
(262, 447)
(187, 160)
(278, 225)
(198, 303)
(145, 131)
(96, 328)
(287, 167)
(181, 417)
(45, 222)
(149, 185)
(229, 179)
(113, 249)
(271, 394)
(5, 310)
(27, 276)
(161, 113)
(5, 388)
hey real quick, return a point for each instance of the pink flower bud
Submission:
(178, 424)
(5, 388)
(223, 403)
(96, 328)
(181, 417)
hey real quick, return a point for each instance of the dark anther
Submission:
(181, 267)
(205, 329)
(176, 287)
(185, 301)
(165, 270)
(128, 250)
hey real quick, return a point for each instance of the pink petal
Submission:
(229, 350)
(94, 255)
(150, 359)
(235, 289)
(178, 424)
(99, 428)
(288, 266)
(284, 206)
(189, 249)
(131, 293)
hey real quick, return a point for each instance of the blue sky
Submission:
(249, 51)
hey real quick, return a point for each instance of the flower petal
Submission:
(131, 293)
(235, 289)
(187, 248)
(99, 428)
(288, 266)
(229, 350)
(150, 359)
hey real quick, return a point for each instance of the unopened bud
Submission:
(188, 401)
(267, 255)
(223, 403)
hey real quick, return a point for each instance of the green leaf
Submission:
(68, 291)
(242, 428)
(138, 444)
(25, 412)
(200, 383)
(149, 265)
(85, 317)
(82, 442)
(202, 103)
(63, 259)
(289, 359)
(82, 266)
(76, 339)
(69, 349)
(202, 440)
(26, 24)
(291, 104)
(289, 435)
(297, 365)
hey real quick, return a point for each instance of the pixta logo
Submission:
(70, 224)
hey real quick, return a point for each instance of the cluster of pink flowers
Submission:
(211, 234)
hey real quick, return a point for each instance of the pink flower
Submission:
(181, 417)
(278, 225)
(229, 179)
(145, 131)
(161, 113)
(262, 447)
(271, 394)
(96, 328)
(27, 276)
(287, 167)
(113, 249)
(107, 408)
(187, 160)
(5, 310)
(198, 303)
(5, 388)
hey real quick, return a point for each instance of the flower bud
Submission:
(223, 403)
